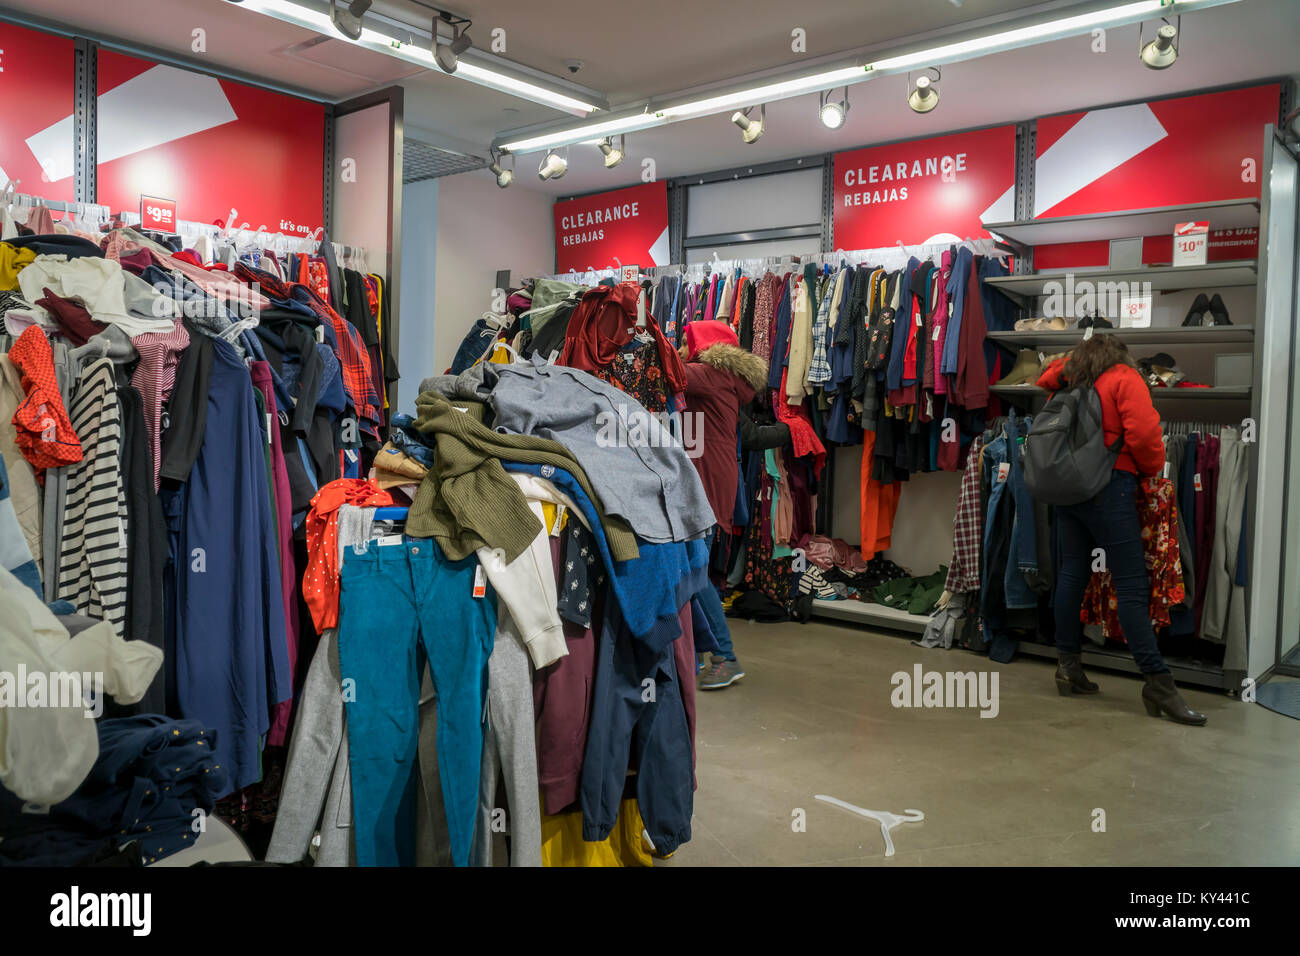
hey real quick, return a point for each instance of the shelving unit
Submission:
(1216, 275)
(864, 612)
(1233, 214)
(1158, 335)
(1237, 393)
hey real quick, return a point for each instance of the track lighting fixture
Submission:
(553, 166)
(504, 176)
(1161, 52)
(450, 40)
(751, 129)
(924, 95)
(834, 113)
(613, 154)
(347, 19)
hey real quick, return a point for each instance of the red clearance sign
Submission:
(1153, 154)
(37, 151)
(178, 132)
(612, 229)
(940, 189)
(158, 213)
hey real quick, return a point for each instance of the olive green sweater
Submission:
(469, 501)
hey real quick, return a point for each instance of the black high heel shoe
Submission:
(1219, 311)
(1196, 314)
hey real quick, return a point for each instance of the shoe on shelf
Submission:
(721, 673)
(1101, 322)
(1219, 311)
(1160, 696)
(1196, 314)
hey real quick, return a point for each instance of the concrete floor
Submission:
(813, 715)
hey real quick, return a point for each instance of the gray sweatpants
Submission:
(509, 754)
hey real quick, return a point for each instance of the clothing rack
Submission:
(102, 213)
(888, 257)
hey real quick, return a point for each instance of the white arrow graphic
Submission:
(159, 106)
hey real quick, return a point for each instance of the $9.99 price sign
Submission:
(158, 213)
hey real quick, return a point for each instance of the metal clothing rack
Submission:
(895, 256)
(102, 213)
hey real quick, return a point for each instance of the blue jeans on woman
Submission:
(1108, 521)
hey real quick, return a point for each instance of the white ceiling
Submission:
(684, 44)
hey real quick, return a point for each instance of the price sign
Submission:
(631, 273)
(1135, 311)
(158, 213)
(1191, 243)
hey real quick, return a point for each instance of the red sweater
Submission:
(1126, 409)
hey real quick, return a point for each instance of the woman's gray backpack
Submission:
(1066, 458)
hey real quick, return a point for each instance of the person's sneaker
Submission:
(721, 673)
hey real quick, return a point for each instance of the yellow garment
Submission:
(563, 845)
(548, 512)
(12, 261)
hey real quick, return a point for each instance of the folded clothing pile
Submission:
(913, 595)
(877, 571)
(151, 776)
(827, 553)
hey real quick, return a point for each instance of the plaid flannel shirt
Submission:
(819, 368)
(964, 569)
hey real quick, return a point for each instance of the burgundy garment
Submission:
(280, 713)
(801, 499)
(684, 654)
(713, 400)
(136, 262)
(971, 386)
(562, 704)
(74, 321)
(604, 322)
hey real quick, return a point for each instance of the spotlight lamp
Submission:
(613, 154)
(833, 113)
(450, 39)
(504, 176)
(553, 166)
(924, 95)
(347, 19)
(1161, 52)
(751, 129)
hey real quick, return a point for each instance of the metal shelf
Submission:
(1160, 335)
(1216, 393)
(1185, 672)
(863, 612)
(1233, 214)
(1214, 275)
(859, 612)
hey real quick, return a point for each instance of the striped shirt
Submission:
(92, 559)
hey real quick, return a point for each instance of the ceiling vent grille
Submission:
(425, 161)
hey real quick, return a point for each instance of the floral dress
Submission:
(1159, 521)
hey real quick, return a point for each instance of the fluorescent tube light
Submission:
(1058, 29)
(372, 39)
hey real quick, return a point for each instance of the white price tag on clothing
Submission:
(1004, 469)
(937, 330)
(1196, 482)
(1166, 470)
(389, 540)
(480, 582)
(559, 520)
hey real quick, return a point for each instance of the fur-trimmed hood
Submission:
(746, 366)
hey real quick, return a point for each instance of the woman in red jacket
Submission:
(1109, 522)
(721, 379)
